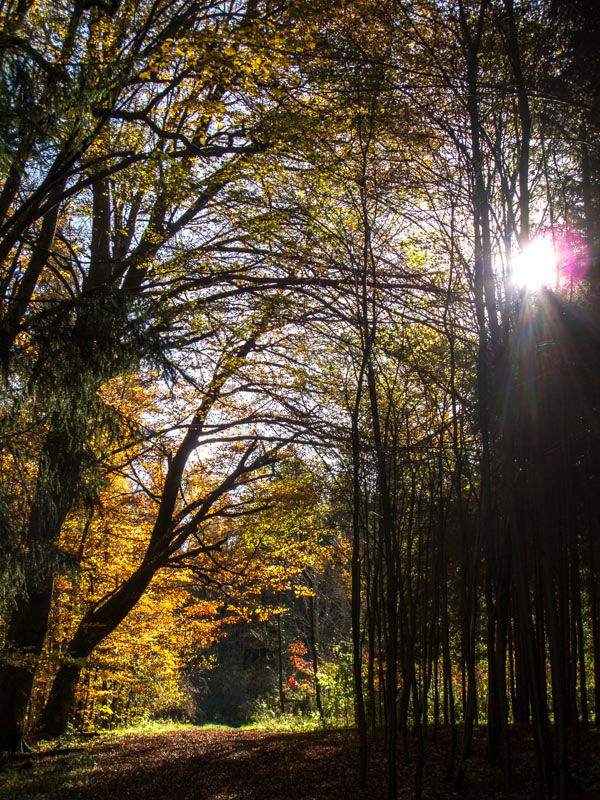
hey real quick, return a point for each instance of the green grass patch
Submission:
(42, 779)
(266, 718)
(147, 727)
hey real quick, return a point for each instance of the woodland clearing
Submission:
(240, 764)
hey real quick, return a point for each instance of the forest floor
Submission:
(229, 764)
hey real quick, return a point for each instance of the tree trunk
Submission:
(93, 628)
(25, 637)
(313, 650)
(56, 486)
(280, 665)
(361, 720)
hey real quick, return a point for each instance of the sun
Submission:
(537, 266)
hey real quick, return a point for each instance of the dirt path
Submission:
(202, 764)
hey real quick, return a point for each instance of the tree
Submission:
(144, 150)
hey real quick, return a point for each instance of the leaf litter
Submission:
(229, 764)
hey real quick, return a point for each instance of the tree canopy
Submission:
(299, 342)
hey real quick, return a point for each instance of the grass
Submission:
(56, 765)
(268, 718)
(288, 723)
(38, 779)
(31, 776)
(140, 728)
(152, 726)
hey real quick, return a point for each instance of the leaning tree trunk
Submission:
(93, 628)
(164, 541)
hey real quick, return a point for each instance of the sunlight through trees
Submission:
(299, 405)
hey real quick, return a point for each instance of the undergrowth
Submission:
(267, 718)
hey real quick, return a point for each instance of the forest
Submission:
(299, 382)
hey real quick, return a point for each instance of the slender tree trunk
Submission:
(280, 665)
(594, 619)
(313, 650)
(357, 545)
(449, 686)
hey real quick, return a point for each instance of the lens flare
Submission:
(537, 266)
(555, 260)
